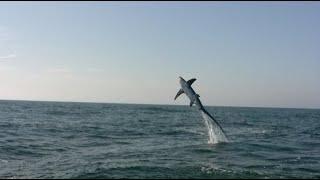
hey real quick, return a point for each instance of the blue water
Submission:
(91, 140)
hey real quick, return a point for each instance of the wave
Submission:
(3, 161)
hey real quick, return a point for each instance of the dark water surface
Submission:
(91, 140)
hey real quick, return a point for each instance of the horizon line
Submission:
(93, 102)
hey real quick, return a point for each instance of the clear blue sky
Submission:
(242, 53)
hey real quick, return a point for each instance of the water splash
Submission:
(215, 132)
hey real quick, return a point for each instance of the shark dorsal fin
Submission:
(191, 81)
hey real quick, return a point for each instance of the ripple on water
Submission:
(86, 140)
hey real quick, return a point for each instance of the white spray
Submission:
(215, 132)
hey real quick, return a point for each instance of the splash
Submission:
(215, 132)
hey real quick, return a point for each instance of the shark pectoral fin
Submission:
(191, 103)
(178, 94)
(191, 81)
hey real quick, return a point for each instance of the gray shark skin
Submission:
(194, 97)
(187, 89)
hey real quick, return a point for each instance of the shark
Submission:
(194, 98)
(188, 90)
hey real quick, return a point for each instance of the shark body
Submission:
(188, 90)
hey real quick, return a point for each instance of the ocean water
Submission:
(92, 140)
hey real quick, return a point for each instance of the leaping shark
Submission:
(187, 89)
(194, 97)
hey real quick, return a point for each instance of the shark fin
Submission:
(191, 81)
(178, 94)
(191, 103)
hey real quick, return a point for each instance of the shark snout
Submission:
(181, 80)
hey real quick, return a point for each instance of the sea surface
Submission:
(97, 140)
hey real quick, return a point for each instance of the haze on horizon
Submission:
(263, 54)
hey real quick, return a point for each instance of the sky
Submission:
(257, 54)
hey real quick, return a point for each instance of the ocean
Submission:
(100, 140)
